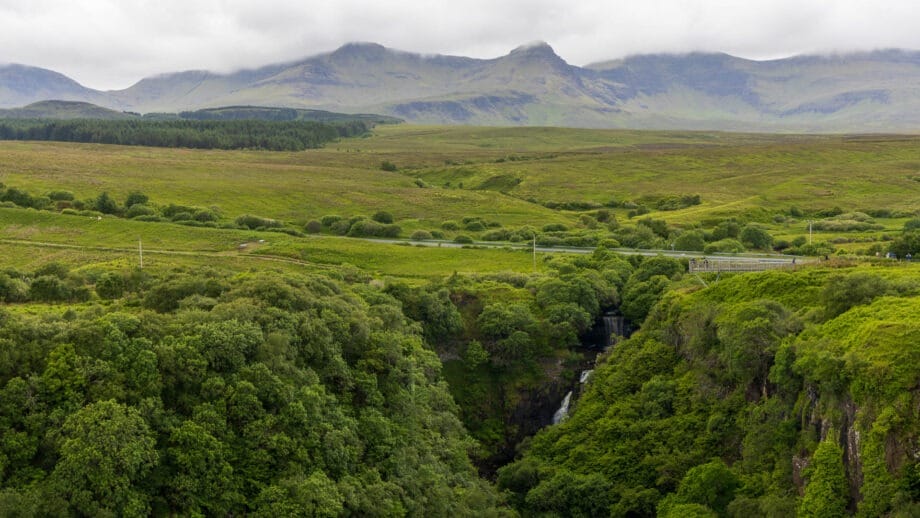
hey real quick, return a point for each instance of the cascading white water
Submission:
(563, 411)
(585, 375)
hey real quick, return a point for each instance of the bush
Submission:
(497, 235)
(383, 217)
(366, 228)
(555, 227)
(340, 227)
(386, 165)
(692, 240)
(135, 198)
(313, 227)
(105, 204)
(725, 230)
(755, 237)
(726, 246)
(184, 216)
(204, 215)
(328, 221)
(464, 240)
(450, 225)
(17, 197)
(110, 285)
(60, 195)
(658, 226)
(151, 218)
(420, 235)
(139, 209)
(48, 288)
(253, 222)
(474, 226)
(172, 209)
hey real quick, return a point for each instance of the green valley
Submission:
(254, 332)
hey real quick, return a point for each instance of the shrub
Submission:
(184, 216)
(340, 227)
(464, 240)
(692, 240)
(450, 225)
(420, 235)
(727, 246)
(366, 228)
(313, 227)
(110, 285)
(437, 234)
(328, 221)
(105, 204)
(496, 235)
(253, 222)
(139, 209)
(135, 198)
(60, 195)
(725, 230)
(555, 227)
(17, 197)
(48, 288)
(386, 165)
(204, 215)
(382, 217)
(756, 237)
(172, 209)
(474, 226)
(658, 226)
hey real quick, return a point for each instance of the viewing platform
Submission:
(740, 265)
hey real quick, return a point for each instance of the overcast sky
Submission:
(110, 44)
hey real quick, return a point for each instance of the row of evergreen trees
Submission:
(225, 134)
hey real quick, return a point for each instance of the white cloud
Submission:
(113, 43)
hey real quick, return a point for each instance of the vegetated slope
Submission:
(64, 110)
(208, 392)
(598, 184)
(763, 395)
(532, 85)
(283, 114)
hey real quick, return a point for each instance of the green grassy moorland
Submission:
(510, 176)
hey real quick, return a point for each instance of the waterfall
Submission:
(585, 375)
(614, 328)
(563, 411)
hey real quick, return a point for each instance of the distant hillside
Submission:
(64, 110)
(283, 114)
(21, 85)
(532, 85)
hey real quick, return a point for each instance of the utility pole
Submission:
(140, 252)
(534, 251)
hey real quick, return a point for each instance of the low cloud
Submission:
(111, 44)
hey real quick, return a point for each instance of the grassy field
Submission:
(503, 175)
(85, 239)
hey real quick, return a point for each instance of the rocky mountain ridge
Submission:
(532, 85)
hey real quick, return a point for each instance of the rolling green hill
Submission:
(64, 110)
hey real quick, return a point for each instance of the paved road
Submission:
(752, 259)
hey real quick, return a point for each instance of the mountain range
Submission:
(875, 91)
